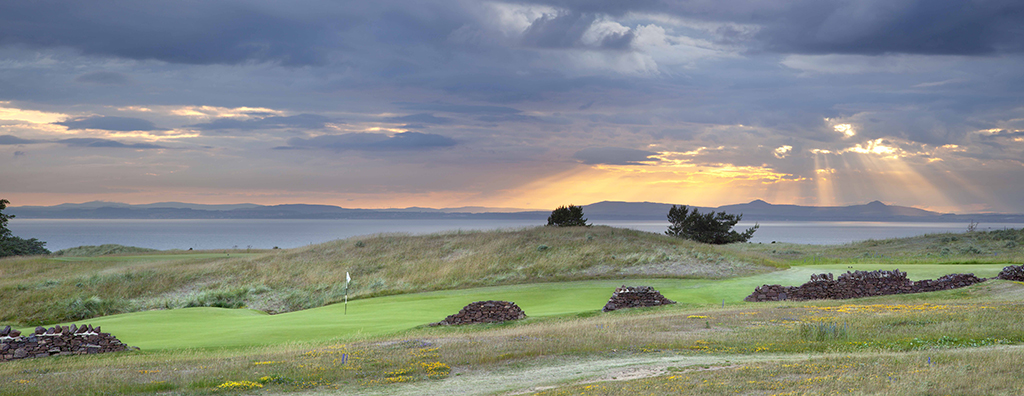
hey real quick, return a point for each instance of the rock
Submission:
(859, 284)
(484, 312)
(635, 296)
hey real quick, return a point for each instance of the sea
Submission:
(266, 234)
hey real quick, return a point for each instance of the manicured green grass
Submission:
(374, 317)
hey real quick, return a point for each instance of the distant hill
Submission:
(757, 210)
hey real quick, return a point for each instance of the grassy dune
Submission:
(53, 289)
(77, 285)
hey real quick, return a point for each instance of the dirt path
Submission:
(549, 373)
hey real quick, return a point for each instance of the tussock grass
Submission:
(101, 250)
(47, 289)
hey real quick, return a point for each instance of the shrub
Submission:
(711, 227)
(79, 308)
(234, 298)
(567, 216)
(15, 246)
(823, 331)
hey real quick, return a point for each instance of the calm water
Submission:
(265, 234)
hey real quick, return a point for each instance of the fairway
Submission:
(219, 328)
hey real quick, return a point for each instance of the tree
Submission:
(567, 216)
(711, 227)
(11, 245)
(4, 232)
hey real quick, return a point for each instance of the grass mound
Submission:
(101, 250)
(54, 289)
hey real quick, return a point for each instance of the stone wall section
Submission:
(484, 312)
(1012, 273)
(859, 284)
(634, 297)
(57, 341)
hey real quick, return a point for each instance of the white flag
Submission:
(347, 278)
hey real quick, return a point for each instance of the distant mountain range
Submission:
(753, 211)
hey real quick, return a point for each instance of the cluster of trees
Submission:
(11, 245)
(711, 227)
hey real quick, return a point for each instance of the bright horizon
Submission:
(514, 104)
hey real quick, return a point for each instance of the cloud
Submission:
(10, 140)
(868, 27)
(19, 153)
(613, 156)
(875, 27)
(209, 32)
(577, 30)
(110, 123)
(103, 78)
(106, 143)
(303, 121)
(423, 118)
(373, 142)
(456, 108)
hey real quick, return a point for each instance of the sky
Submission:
(518, 104)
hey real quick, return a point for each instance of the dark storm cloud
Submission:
(943, 27)
(190, 32)
(566, 31)
(423, 118)
(871, 27)
(110, 123)
(106, 143)
(10, 140)
(406, 141)
(303, 121)
(103, 78)
(613, 156)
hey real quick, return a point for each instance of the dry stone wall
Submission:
(635, 296)
(859, 284)
(57, 340)
(484, 312)
(1012, 273)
